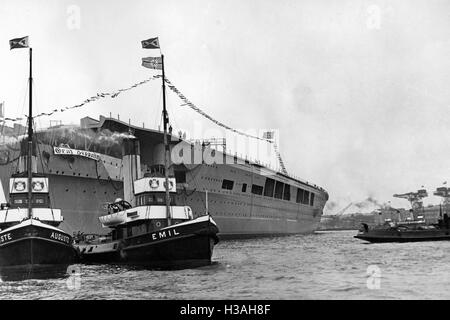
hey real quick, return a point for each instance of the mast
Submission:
(30, 138)
(166, 145)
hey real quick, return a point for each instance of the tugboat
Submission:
(413, 229)
(145, 236)
(155, 232)
(31, 245)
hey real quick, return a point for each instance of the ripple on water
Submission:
(325, 265)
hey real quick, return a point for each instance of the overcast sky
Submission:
(359, 90)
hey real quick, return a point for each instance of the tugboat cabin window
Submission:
(38, 200)
(227, 184)
(244, 187)
(287, 192)
(157, 198)
(257, 189)
(279, 190)
(268, 188)
(311, 199)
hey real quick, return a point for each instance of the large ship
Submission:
(88, 166)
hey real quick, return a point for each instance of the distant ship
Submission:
(412, 225)
(85, 168)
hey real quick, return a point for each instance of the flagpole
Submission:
(166, 145)
(30, 137)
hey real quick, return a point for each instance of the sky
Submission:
(357, 90)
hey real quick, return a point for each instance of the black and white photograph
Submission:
(238, 151)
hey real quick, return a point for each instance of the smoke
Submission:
(370, 202)
(76, 137)
(6, 140)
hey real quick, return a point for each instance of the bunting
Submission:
(98, 96)
(198, 110)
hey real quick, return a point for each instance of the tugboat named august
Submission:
(31, 245)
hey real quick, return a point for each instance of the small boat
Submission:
(145, 236)
(415, 227)
(406, 231)
(31, 245)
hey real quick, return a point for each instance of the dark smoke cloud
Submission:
(370, 201)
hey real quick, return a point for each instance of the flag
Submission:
(18, 43)
(445, 182)
(2, 110)
(152, 43)
(152, 63)
(268, 135)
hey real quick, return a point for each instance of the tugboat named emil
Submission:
(145, 236)
(153, 232)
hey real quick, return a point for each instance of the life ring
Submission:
(19, 186)
(158, 224)
(154, 183)
(170, 185)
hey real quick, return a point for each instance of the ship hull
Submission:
(80, 187)
(31, 252)
(238, 216)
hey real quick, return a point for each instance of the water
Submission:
(324, 265)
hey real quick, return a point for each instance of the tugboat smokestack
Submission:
(131, 160)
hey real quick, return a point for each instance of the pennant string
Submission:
(98, 96)
(186, 102)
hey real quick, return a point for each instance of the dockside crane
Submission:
(342, 211)
(444, 193)
(415, 199)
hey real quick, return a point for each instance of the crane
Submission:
(443, 192)
(415, 198)
(342, 211)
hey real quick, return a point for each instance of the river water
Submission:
(323, 265)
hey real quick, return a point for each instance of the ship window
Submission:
(268, 188)
(311, 199)
(287, 192)
(227, 184)
(279, 190)
(306, 197)
(299, 195)
(244, 187)
(180, 176)
(257, 189)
